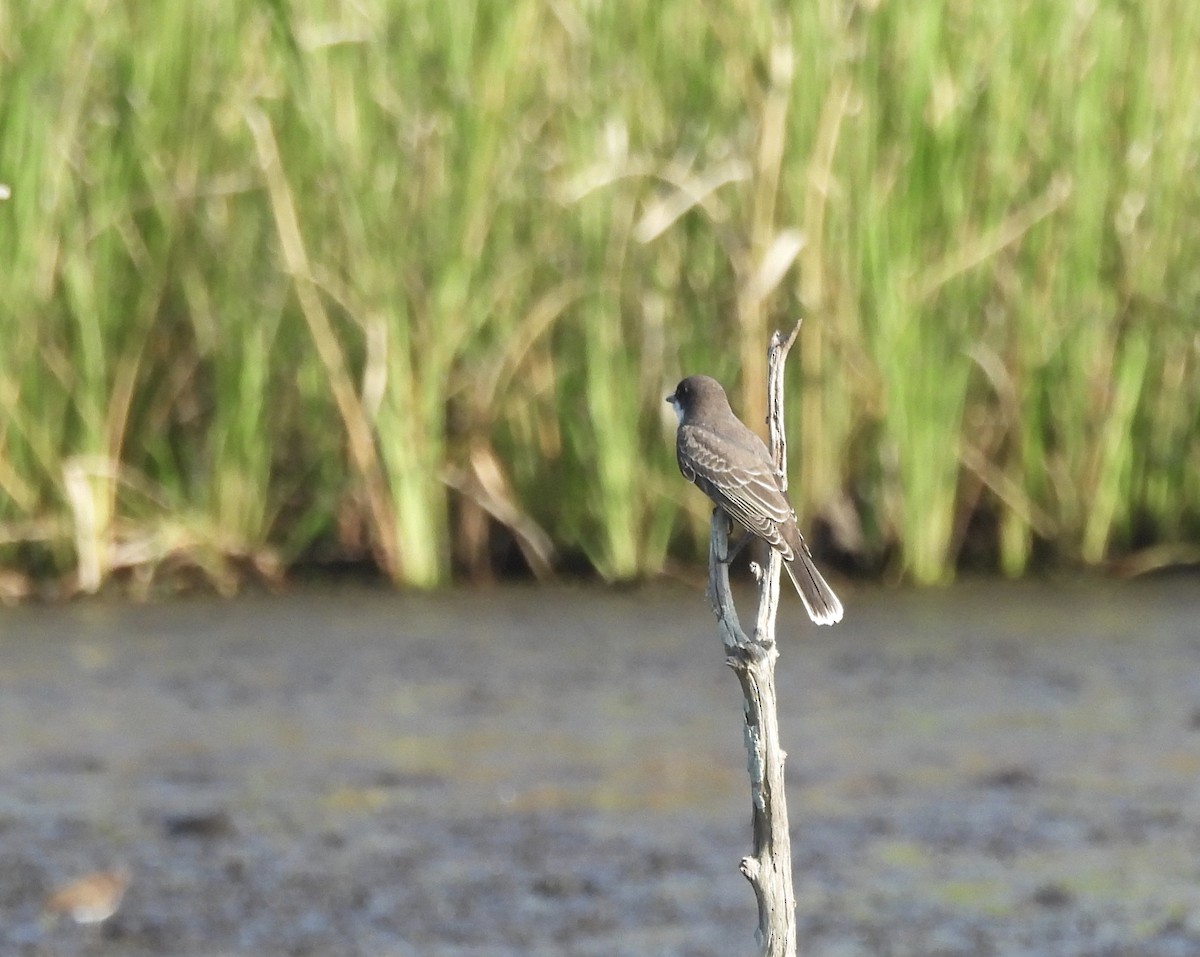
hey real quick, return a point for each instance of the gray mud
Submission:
(993, 769)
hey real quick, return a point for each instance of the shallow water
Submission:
(990, 769)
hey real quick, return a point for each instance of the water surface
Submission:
(991, 769)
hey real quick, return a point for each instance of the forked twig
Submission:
(769, 867)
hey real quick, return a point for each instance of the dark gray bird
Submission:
(732, 466)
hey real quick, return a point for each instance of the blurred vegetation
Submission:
(407, 280)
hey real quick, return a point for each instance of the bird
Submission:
(90, 899)
(727, 461)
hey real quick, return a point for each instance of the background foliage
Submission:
(409, 279)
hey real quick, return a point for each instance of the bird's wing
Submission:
(745, 486)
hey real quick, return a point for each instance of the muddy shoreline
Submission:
(990, 769)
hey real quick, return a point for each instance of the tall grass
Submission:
(411, 279)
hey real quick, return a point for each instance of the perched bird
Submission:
(89, 899)
(732, 466)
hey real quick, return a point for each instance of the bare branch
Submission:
(769, 868)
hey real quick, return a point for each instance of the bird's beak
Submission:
(673, 400)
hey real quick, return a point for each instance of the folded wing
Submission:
(744, 485)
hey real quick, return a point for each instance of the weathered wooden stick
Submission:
(769, 868)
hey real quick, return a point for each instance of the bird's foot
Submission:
(732, 552)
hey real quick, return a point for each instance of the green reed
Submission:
(405, 279)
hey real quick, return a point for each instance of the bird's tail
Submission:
(822, 604)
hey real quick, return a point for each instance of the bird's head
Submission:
(695, 393)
